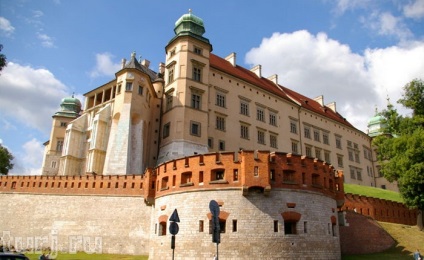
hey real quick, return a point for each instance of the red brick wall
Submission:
(363, 235)
(381, 210)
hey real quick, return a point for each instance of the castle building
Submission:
(199, 103)
(201, 129)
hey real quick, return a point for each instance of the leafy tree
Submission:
(2, 58)
(5, 160)
(401, 149)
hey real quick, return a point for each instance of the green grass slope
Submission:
(373, 192)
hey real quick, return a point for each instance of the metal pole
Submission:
(173, 254)
(217, 253)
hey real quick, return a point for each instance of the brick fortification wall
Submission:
(381, 210)
(259, 194)
(78, 213)
(363, 235)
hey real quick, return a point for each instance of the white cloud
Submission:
(314, 65)
(46, 41)
(28, 163)
(6, 27)
(414, 10)
(30, 96)
(37, 13)
(386, 24)
(104, 66)
(344, 5)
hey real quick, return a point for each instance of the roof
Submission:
(269, 86)
(134, 64)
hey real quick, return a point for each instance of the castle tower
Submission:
(70, 108)
(134, 125)
(185, 110)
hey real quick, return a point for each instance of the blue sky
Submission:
(356, 53)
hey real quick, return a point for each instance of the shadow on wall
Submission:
(363, 235)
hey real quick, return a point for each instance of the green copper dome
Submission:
(69, 107)
(376, 125)
(189, 23)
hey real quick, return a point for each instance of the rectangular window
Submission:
(166, 129)
(244, 132)
(295, 149)
(293, 127)
(195, 101)
(235, 175)
(359, 174)
(305, 227)
(261, 137)
(197, 74)
(171, 75)
(198, 50)
(275, 225)
(220, 123)
(307, 132)
(308, 151)
(220, 99)
(59, 145)
(325, 138)
(244, 108)
(256, 171)
(338, 142)
(289, 227)
(118, 90)
(195, 128)
(260, 114)
(63, 124)
(210, 142)
(352, 173)
(221, 145)
(234, 225)
(128, 86)
(272, 119)
(201, 226)
(318, 153)
(169, 100)
(340, 160)
(316, 135)
(273, 141)
(357, 157)
(272, 174)
(327, 156)
(140, 90)
(350, 152)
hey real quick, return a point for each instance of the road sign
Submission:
(174, 217)
(173, 228)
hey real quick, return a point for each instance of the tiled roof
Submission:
(269, 86)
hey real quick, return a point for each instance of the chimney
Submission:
(231, 59)
(162, 68)
(320, 100)
(257, 70)
(145, 63)
(274, 78)
(123, 62)
(332, 106)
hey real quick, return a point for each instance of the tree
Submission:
(5, 160)
(2, 58)
(400, 150)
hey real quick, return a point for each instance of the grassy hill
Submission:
(408, 239)
(373, 192)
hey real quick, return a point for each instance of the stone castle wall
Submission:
(70, 223)
(254, 226)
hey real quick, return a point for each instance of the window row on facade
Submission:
(290, 227)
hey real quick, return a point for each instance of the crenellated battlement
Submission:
(256, 171)
(380, 209)
(116, 185)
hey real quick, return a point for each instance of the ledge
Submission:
(187, 184)
(219, 182)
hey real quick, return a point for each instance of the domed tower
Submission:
(185, 113)
(70, 108)
(376, 125)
